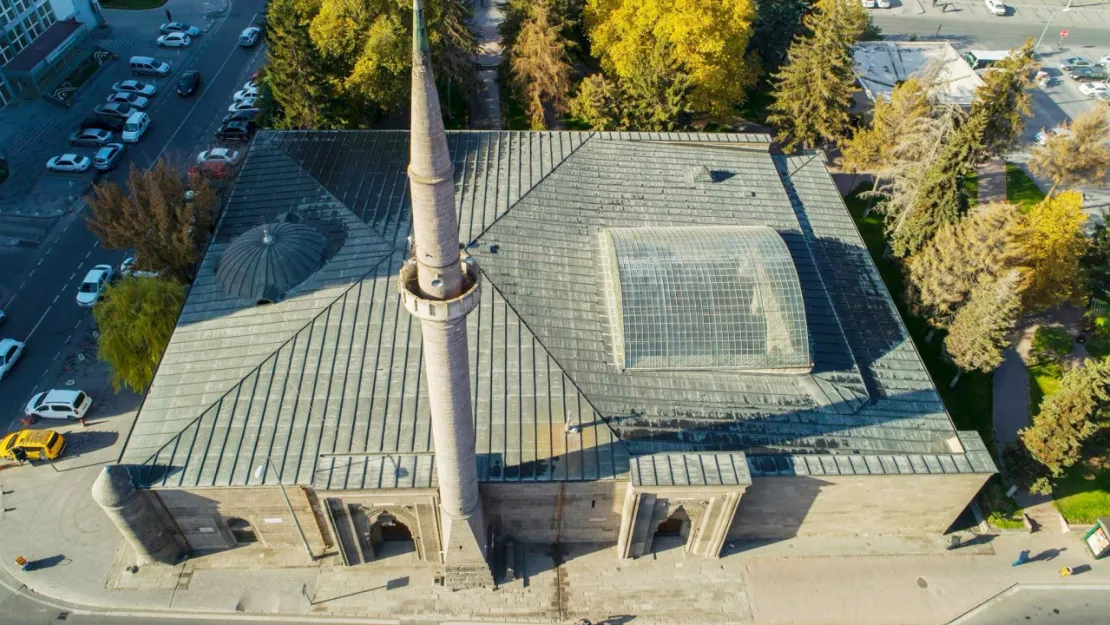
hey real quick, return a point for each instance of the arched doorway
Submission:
(672, 531)
(388, 536)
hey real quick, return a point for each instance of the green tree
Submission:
(539, 63)
(1069, 416)
(814, 89)
(776, 24)
(981, 248)
(1002, 103)
(296, 77)
(1079, 155)
(708, 39)
(871, 148)
(136, 317)
(1096, 260)
(978, 336)
(1056, 245)
(154, 218)
(597, 103)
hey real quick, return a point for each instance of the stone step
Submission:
(346, 537)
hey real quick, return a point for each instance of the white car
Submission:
(868, 4)
(250, 84)
(223, 156)
(179, 27)
(244, 94)
(243, 105)
(127, 268)
(58, 404)
(883, 4)
(93, 285)
(1043, 137)
(136, 87)
(249, 36)
(68, 162)
(174, 40)
(995, 7)
(1091, 88)
(130, 99)
(10, 351)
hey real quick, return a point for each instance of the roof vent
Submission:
(267, 261)
(699, 173)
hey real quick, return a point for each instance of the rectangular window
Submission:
(5, 95)
(47, 15)
(19, 39)
(34, 27)
(6, 53)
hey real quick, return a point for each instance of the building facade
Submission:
(21, 23)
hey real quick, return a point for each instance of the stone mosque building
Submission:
(461, 338)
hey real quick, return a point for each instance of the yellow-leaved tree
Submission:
(708, 37)
(1055, 246)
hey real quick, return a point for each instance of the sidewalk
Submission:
(486, 98)
(1085, 13)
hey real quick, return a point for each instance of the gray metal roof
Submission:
(326, 387)
(268, 260)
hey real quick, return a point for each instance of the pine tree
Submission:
(978, 336)
(1079, 155)
(1056, 246)
(1002, 103)
(981, 248)
(597, 103)
(295, 73)
(1069, 416)
(540, 66)
(135, 318)
(655, 98)
(870, 149)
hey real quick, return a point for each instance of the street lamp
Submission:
(1049, 22)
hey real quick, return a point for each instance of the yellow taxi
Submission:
(32, 445)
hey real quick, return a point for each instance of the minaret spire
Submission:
(439, 288)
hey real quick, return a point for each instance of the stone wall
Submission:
(781, 507)
(591, 511)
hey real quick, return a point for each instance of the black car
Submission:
(235, 131)
(241, 116)
(103, 124)
(1089, 74)
(188, 83)
(114, 111)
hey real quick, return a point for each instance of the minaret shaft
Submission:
(440, 294)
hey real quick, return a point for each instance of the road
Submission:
(43, 312)
(1044, 605)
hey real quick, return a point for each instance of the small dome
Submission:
(267, 261)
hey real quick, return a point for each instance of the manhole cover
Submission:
(921, 583)
(62, 616)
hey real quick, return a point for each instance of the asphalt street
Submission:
(42, 311)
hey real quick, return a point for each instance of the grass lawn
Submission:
(970, 402)
(1002, 511)
(971, 188)
(1044, 379)
(135, 5)
(1020, 188)
(1082, 500)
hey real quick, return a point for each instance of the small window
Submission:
(241, 531)
(80, 400)
(53, 440)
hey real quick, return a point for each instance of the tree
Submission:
(1096, 260)
(814, 89)
(136, 317)
(870, 149)
(1077, 156)
(296, 76)
(539, 63)
(1002, 103)
(1055, 246)
(597, 103)
(776, 24)
(981, 248)
(978, 336)
(166, 230)
(708, 39)
(1069, 416)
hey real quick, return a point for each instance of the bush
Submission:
(1021, 467)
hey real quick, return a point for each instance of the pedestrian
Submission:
(1066, 571)
(23, 563)
(1023, 557)
(20, 454)
(169, 18)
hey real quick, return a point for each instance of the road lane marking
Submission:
(29, 334)
(87, 254)
(31, 274)
(96, 243)
(56, 355)
(56, 298)
(39, 263)
(73, 275)
(9, 304)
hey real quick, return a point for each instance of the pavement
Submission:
(486, 99)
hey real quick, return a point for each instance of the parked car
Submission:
(32, 445)
(114, 111)
(127, 269)
(995, 7)
(68, 162)
(252, 83)
(242, 105)
(235, 131)
(1074, 63)
(868, 4)
(2, 317)
(179, 27)
(213, 170)
(10, 351)
(249, 36)
(1102, 96)
(247, 115)
(1089, 89)
(107, 157)
(137, 87)
(174, 40)
(883, 4)
(58, 404)
(224, 156)
(130, 99)
(104, 124)
(188, 83)
(93, 285)
(1089, 74)
(1043, 136)
(90, 137)
(245, 93)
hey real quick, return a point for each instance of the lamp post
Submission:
(1049, 22)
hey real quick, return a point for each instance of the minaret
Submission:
(439, 285)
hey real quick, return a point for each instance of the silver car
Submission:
(107, 157)
(130, 99)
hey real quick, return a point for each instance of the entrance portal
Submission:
(390, 537)
(672, 531)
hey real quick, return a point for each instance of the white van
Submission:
(135, 127)
(149, 66)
